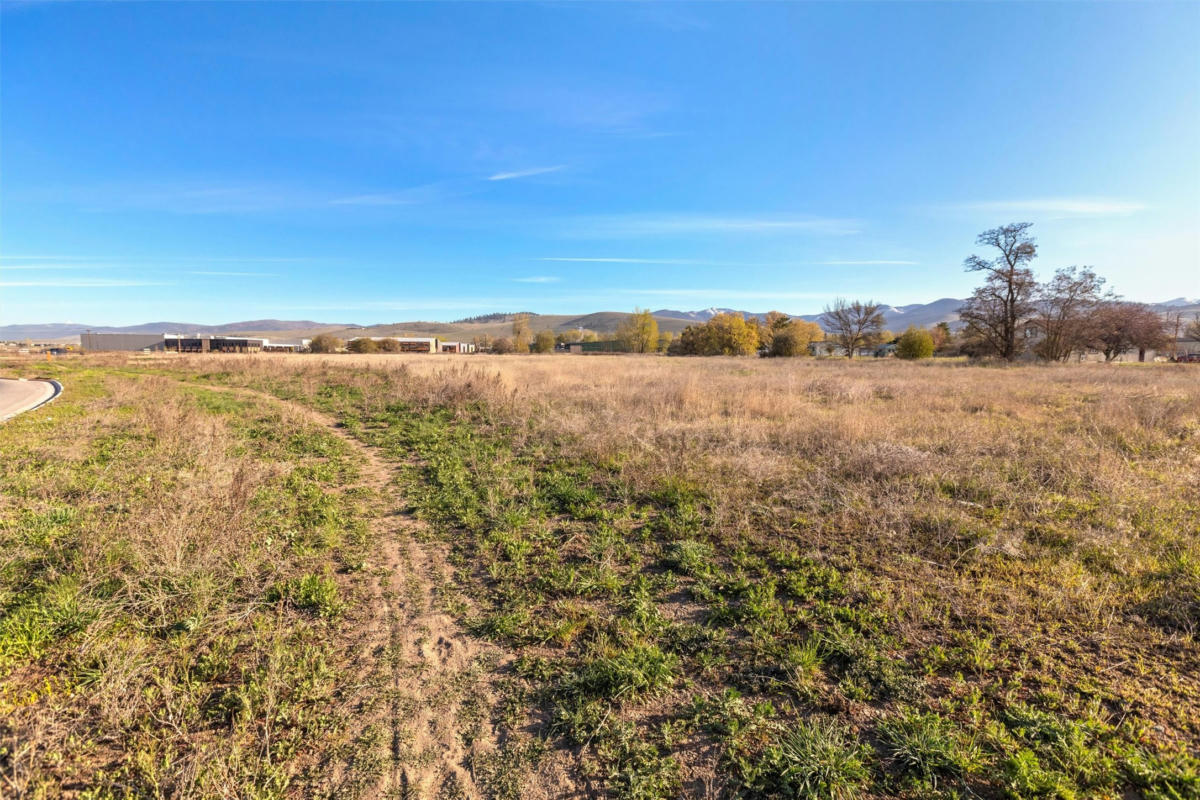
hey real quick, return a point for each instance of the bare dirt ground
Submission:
(418, 674)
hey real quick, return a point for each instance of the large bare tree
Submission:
(853, 325)
(997, 311)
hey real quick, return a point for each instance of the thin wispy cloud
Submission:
(698, 224)
(525, 173)
(52, 266)
(218, 197)
(108, 261)
(46, 258)
(604, 109)
(691, 262)
(872, 263)
(410, 196)
(235, 274)
(98, 283)
(538, 279)
(1061, 207)
(372, 200)
(182, 196)
(607, 260)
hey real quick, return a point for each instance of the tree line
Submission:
(1012, 313)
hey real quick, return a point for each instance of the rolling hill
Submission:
(500, 324)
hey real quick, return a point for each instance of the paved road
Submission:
(17, 396)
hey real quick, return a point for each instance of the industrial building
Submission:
(205, 343)
(186, 343)
(422, 344)
(586, 348)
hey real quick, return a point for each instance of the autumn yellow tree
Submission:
(794, 338)
(325, 343)
(915, 343)
(522, 334)
(638, 333)
(723, 335)
(543, 342)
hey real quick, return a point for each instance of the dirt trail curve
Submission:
(416, 689)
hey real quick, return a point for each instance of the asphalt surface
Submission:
(19, 396)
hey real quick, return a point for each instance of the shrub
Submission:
(543, 342)
(388, 345)
(915, 343)
(325, 343)
(794, 338)
(363, 345)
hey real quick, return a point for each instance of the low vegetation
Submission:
(177, 564)
(756, 578)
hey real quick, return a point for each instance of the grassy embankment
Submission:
(801, 579)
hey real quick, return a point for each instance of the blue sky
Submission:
(374, 162)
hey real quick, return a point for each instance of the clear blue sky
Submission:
(372, 162)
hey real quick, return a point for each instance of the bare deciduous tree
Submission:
(1117, 327)
(1064, 312)
(853, 325)
(996, 313)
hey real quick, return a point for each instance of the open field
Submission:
(638, 577)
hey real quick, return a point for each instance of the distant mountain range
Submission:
(922, 315)
(59, 330)
(897, 318)
(603, 322)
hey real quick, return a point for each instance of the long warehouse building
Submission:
(185, 343)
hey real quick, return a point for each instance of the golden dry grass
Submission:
(1005, 558)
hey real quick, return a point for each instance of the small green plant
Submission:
(816, 758)
(926, 746)
(689, 557)
(633, 671)
(312, 592)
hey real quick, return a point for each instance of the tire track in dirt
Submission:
(420, 686)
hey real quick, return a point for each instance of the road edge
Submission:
(58, 390)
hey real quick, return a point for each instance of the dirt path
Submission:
(418, 706)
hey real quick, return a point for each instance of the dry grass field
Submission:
(636, 577)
